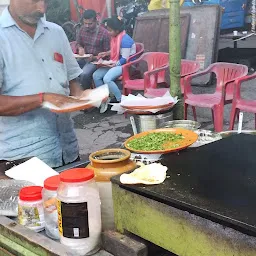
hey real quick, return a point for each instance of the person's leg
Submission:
(86, 76)
(98, 76)
(81, 63)
(109, 79)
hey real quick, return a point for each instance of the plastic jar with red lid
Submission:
(79, 211)
(50, 206)
(30, 208)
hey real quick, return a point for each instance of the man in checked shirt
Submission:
(91, 39)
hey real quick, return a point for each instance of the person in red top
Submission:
(91, 39)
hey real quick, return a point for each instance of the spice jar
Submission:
(50, 206)
(107, 163)
(30, 208)
(79, 212)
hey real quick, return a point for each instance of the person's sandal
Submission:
(104, 106)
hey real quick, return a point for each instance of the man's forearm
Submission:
(75, 88)
(17, 105)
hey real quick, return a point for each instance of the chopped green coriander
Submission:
(155, 141)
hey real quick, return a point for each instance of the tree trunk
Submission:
(175, 57)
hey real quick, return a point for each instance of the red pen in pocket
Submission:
(58, 57)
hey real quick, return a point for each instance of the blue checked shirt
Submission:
(27, 66)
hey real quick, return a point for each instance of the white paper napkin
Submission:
(33, 170)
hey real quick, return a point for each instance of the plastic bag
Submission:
(9, 195)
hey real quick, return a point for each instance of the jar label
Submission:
(31, 217)
(73, 220)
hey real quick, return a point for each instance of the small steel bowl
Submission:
(205, 137)
(186, 124)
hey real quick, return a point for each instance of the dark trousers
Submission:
(86, 77)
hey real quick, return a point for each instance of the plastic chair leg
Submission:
(125, 92)
(218, 119)
(185, 111)
(194, 112)
(237, 114)
(233, 115)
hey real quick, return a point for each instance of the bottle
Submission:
(30, 208)
(49, 194)
(79, 211)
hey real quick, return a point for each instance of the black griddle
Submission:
(216, 181)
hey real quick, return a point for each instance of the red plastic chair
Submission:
(74, 46)
(188, 67)
(154, 60)
(139, 51)
(226, 73)
(240, 104)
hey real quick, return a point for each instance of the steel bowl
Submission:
(186, 124)
(226, 134)
(205, 137)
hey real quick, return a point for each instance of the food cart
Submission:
(206, 206)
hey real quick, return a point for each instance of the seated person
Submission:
(122, 47)
(91, 39)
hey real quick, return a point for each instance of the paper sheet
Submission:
(34, 170)
(103, 62)
(139, 100)
(82, 56)
(94, 98)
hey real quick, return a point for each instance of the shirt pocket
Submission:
(60, 74)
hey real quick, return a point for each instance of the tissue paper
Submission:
(34, 170)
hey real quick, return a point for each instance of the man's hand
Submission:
(81, 51)
(102, 55)
(91, 58)
(59, 100)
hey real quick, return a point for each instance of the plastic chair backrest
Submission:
(155, 59)
(139, 48)
(226, 72)
(73, 46)
(139, 51)
(189, 67)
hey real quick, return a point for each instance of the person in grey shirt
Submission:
(36, 65)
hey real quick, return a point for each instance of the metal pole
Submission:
(109, 7)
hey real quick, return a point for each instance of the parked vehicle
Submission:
(72, 27)
(233, 11)
(129, 14)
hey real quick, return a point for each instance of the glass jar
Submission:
(50, 206)
(79, 212)
(30, 208)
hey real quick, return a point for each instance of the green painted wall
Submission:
(177, 231)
